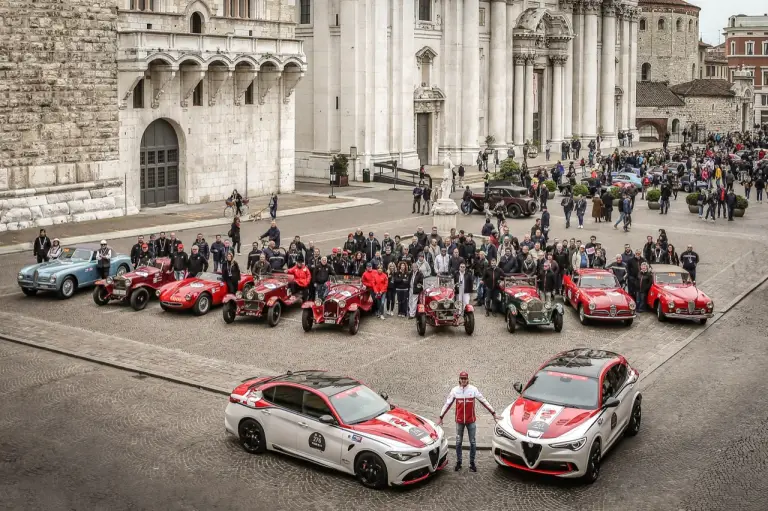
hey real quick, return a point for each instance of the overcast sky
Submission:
(715, 13)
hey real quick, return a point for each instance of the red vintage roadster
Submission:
(347, 298)
(674, 295)
(267, 297)
(136, 287)
(439, 306)
(596, 294)
(198, 293)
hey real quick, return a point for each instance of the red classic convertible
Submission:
(438, 306)
(346, 299)
(136, 287)
(673, 295)
(197, 293)
(596, 294)
(266, 297)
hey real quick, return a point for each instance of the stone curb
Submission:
(351, 202)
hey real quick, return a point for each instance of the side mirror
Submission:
(327, 419)
(392, 407)
(611, 402)
(518, 387)
(384, 396)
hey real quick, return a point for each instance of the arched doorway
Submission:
(159, 165)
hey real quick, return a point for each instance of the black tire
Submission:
(582, 316)
(371, 471)
(660, 312)
(633, 428)
(557, 321)
(29, 291)
(511, 322)
(274, 313)
(307, 319)
(228, 312)
(139, 299)
(68, 288)
(703, 321)
(354, 322)
(469, 322)
(514, 211)
(628, 322)
(251, 436)
(165, 307)
(593, 465)
(100, 296)
(421, 324)
(202, 304)
(122, 270)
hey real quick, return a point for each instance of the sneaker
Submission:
(473, 468)
(487, 313)
(457, 467)
(382, 316)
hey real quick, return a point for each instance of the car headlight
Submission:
(547, 305)
(21, 276)
(632, 305)
(239, 295)
(402, 456)
(318, 302)
(573, 445)
(592, 306)
(670, 304)
(433, 305)
(499, 431)
(188, 298)
(523, 306)
(342, 303)
(52, 278)
(128, 282)
(157, 293)
(109, 280)
(459, 304)
(710, 305)
(260, 297)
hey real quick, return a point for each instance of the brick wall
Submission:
(58, 89)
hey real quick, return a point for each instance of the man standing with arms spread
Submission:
(465, 395)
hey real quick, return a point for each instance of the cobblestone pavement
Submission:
(76, 435)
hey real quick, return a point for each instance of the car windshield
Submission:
(210, 277)
(76, 254)
(358, 404)
(519, 280)
(672, 277)
(439, 281)
(346, 279)
(158, 263)
(573, 391)
(598, 281)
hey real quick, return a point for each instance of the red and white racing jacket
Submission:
(465, 397)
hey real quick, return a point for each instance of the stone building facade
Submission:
(108, 106)
(746, 49)
(667, 41)
(413, 80)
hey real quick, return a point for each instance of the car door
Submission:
(572, 289)
(608, 421)
(624, 391)
(89, 272)
(219, 291)
(318, 441)
(282, 420)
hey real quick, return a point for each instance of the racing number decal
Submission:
(399, 422)
(614, 419)
(317, 441)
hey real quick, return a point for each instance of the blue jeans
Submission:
(378, 300)
(179, 275)
(641, 299)
(471, 429)
(568, 218)
(480, 290)
(581, 218)
(759, 194)
(701, 210)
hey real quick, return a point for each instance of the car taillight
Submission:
(233, 399)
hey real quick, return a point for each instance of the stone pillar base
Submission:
(444, 216)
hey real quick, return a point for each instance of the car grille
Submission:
(613, 310)
(443, 460)
(35, 277)
(691, 306)
(689, 311)
(434, 456)
(445, 315)
(535, 306)
(119, 283)
(446, 304)
(254, 305)
(330, 309)
(416, 474)
(531, 452)
(172, 304)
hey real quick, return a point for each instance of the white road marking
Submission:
(394, 352)
(112, 311)
(10, 294)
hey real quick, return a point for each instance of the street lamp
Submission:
(394, 181)
(332, 169)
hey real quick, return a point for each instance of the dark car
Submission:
(515, 198)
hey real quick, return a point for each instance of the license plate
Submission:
(119, 292)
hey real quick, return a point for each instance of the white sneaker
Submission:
(382, 316)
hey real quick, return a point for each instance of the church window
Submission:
(305, 13)
(690, 25)
(675, 125)
(425, 10)
(138, 94)
(642, 24)
(645, 72)
(661, 24)
(197, 95)
(141, 5)
(482, 17)
(196, 23)
(249, 94)
(426, 69)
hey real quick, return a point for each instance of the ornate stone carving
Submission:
(428, 99)
(566, 5)
(520, 58)
(610, 7)
(590, 6)
(558, 60)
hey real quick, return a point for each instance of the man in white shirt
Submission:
(463, 281)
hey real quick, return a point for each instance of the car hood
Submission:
(606, 297)
(266, 285)
(401, 426)
(682, 291)
(439, 293)
(523, 293)
(53, 266)
(342, 291)
(542, 420)
(189, 286)
(141, 272)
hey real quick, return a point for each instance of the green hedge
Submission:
(580, 190)
(741, 202)
(551, 186)
(692, 199)
(653, 195)
(616, 192)
(509, 170)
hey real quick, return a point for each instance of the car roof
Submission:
(582, 361)
(321, 381)
(664, 268)
(508, 187)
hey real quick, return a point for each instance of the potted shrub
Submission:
(616, 192)
(580, 190)
(741, 205)
(692, 199)
(551, 186)
(653, 196)
(340, 166)
(509, 171)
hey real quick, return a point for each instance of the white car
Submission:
(337, 422)
(570, 414)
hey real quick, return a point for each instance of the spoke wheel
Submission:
(637, 417)
(469, 322)
(229, 212)
(511, 322)
(371, 471)
(354, 322)
(228, 312)
(67, 288)
(421, 324)
(100, 295)
(122, 270)
(139, 299)
(515, 211)
(307, 320)
(273, 314)
(252, 437)
(202, 305)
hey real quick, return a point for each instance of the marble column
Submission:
(351, 79)
(577, 50)
(497, 104)
(323, 95)
(509, 65)
(631, 100)
(608, 74)
(529, 99)
(519, 99)
(624, 59)
(470, 70)
(558, 64)
(450, 62)
(589, 72)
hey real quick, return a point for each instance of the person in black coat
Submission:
(644, 281)
(508, 262)
(197, 263)
(162, 246)
(41, 246)
(549, 281)
(272, 234)
(230, 272)
(402, 283)
(234, 235)
(491, 279)
(180, 262)
(136, 251)
(415, 287)
(463, 281)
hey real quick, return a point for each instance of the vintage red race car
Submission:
(197, 293)
(136, 287)
(268, 295)
(596, 294)
(438, 306)
(674, 295)
(347, 298)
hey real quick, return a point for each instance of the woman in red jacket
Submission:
(301, 278)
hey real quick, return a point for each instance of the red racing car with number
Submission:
(438, 306)
(347, 298)
(136, 287)
(198, 293)
(674, 295)
(267, 297)
(596, 294)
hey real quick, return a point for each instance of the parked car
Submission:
(522, 304)
(346, 300)
(267, 297)
(438, 306)
(199, 293)
(596, 294)
(515, 199)
(135, 287)
(77, 268)
(689, 183)
(628, 177)
(674, 295)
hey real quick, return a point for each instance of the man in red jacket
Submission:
(301, 278)
(465, 395)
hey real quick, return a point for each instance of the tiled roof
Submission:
(656, 94)
(704, 88)
(670, 3)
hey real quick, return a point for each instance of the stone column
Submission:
(352, 80)
(451, 65)
(635, 15)
(577, 49)
(608, 74)
(624, 123)
(558, 63)
(323, 96)
(519, 99)
(470, 70)
(529, 98)
(567, 127)
(589, 70)
(497, 104)
(509, 64)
